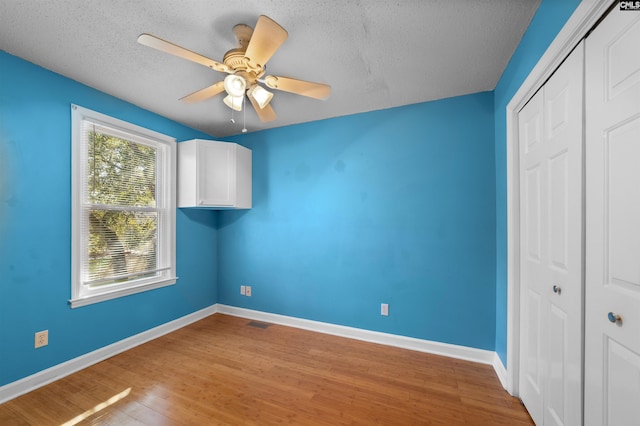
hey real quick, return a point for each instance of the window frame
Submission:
(166, 148)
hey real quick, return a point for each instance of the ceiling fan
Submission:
(246, 68)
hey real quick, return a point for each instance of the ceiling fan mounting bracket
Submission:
(243, 34)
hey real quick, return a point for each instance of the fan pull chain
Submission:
(244, 115)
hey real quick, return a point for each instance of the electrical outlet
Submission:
(384, 309)
(247, 290)
(42, 338)
(243, 290)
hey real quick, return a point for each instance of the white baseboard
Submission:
(437, 348)
(44, 377)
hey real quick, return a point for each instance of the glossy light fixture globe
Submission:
(235, 85)
(234, 102)
(260, 95)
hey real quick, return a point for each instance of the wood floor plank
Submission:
(10, 417)
(220, 370)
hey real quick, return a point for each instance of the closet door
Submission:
(612, 335)
(533, 274)
(550, 127)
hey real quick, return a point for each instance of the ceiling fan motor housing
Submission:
(236, 59)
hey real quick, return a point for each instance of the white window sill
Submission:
(101, 297)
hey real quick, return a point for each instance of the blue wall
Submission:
(405, 206)
(394, 206)
(547, 22)
(35, 229)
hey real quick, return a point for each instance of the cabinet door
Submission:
(216, 174)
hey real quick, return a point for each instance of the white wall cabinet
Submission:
(214, 174)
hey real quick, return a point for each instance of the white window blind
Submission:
(124, 208)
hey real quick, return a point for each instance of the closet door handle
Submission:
(556, 289)
(614, 318)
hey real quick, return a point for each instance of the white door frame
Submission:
(581, 21)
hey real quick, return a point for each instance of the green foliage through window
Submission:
(122, 216)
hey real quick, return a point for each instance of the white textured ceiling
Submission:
(375, 54)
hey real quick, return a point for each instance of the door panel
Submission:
(622, 391)
(564, 98)
(622, 64)
(558, 213)
(557, 106)
(532, 201)
(551, 245)
(557, 365)
(533, 271)
(531, 123)
(622, 208)
(612, 316)
(533, 365)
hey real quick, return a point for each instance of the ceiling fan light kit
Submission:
(235, 85)
(234, 102)
(246, 68)
(260, 94)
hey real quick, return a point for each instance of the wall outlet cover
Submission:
(41, 338)
(384, 309)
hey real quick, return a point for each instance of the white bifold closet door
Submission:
(551, 229)
(612, 303)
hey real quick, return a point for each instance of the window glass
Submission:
(123, 210)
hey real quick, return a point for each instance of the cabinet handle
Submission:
(556, 289)
(614, 318)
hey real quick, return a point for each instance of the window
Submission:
(123, 208)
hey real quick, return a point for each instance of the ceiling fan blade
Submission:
(206, 93)
(299, 87)
(267, 37)
(173, 49)
(265, 114)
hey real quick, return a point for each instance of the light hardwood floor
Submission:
(221, 370)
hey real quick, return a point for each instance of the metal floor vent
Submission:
(257, 324)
